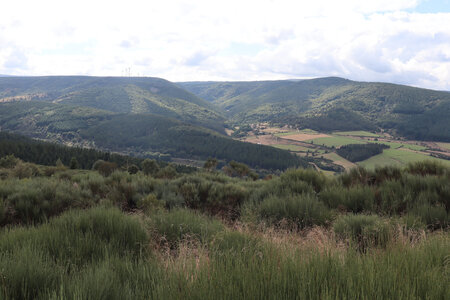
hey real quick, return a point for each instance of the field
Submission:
(397, 157)
(334, 141)
(356, 133)
(444, 145)
(293, 148)
(319, 145)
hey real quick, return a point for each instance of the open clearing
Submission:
(301, 137)
(337, 159)
(335, 141)
(356, 133)
(444, 145)
(397, 157)
(308, 142)
(293, 148)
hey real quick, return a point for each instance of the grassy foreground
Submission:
(75, 234)
(103, 253)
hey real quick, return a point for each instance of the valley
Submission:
(308, 189)
(322, 146)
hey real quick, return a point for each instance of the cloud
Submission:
(16, 60)
(196, 59)
(383, 40)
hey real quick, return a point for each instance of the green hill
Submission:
(116, 94)
(333, 104)
(135, 134)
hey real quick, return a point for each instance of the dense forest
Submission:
(144, 135)
(115, 94)
(144, 233)
(411, 112)
(360, 152)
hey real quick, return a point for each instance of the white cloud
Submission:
(228, 40)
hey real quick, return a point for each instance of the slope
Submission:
(116, 94)
(334, 104)
(136, 134)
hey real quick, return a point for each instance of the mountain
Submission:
(146, 135)
(115, 94)
(333, 103)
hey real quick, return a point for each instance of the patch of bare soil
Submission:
(229, 132)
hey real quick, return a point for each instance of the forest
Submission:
(142, 135)
(359, 152)
(154, 232)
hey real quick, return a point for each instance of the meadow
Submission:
(397, 157)
(142, 233)
(324, 146)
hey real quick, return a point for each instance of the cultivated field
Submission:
(319, 145)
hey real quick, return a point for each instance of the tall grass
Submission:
(303, 210)
(180, 224)
(103, 254)
(364, 230)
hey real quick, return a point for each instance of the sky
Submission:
(398, 41)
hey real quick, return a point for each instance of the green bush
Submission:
(27, 273)
(8, 161)
(81, 236)
(426, 167)
(211, 196)
(179, 224)
(34, 200)
(303, 210)
(355, 199)
(356, 176)
(434, 217)
(292, 177)
(150, 203)
(104, 167)
(364, 230)
(387, 173)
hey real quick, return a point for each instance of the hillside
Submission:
(135, 134)
(333, 104)
(116, 94)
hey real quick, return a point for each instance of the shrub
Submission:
(387, 173)
(8, 161)
(433, 216)
(27, 273)
(355, 199)
(150, 203)
(303, 210)
(133, 169)
(364, 230)
(179, 224)
(25, 170)
(356, 176)
(103, 167)
(426, 167)
(35, 200)
(150, 167)
(292, 177)
(168, 172)
(37, 260)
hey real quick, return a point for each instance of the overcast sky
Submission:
(400, 41)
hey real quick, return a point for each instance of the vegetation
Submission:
(77, 233)
(330, 104)
(358, 152)
(140, 135)
(115, 94)
(83, 224)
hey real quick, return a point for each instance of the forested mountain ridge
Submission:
(146, 135)
(333, 104)
(116, 94)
